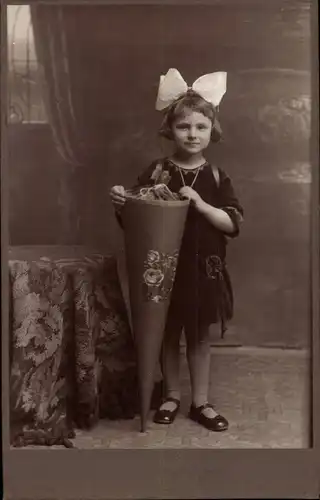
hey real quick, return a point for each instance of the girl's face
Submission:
(191, 132)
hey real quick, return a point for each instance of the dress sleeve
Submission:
(230, 204)
(146, 178)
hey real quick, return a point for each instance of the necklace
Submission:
(194, 179)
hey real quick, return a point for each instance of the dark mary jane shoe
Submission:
(166, 416)
(215, 424)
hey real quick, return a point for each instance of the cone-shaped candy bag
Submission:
(153, 229)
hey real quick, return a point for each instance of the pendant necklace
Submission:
(195, 177)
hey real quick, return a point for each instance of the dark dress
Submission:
(202, 292)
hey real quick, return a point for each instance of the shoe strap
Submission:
(207, 405)
(171, 400)
(203, 407)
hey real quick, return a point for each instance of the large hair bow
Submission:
(210, 87)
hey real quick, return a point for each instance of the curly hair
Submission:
(193, 101)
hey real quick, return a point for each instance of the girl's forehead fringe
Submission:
(193, 102)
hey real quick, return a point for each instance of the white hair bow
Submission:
(211, 88)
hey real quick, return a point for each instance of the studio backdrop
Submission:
(99, 91)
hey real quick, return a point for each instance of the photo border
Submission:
(164, 473)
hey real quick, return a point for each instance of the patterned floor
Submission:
(264, 393)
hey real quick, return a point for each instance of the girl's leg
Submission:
(198, 355)
(198, 352)
(170, 361)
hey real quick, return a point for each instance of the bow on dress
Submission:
(210, 87)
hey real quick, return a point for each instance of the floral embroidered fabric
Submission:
(160, 269)
(72, 357)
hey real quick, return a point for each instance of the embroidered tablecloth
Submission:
(72, 356)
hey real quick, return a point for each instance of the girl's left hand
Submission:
(192, 195)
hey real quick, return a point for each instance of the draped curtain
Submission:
(53, 54)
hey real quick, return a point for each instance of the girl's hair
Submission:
(191, 100)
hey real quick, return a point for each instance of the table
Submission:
(72, 356)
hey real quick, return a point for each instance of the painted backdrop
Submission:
(117, 55)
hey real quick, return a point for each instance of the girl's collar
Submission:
(199, 167)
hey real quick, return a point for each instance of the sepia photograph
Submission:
(159, 205)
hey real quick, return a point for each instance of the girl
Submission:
(202, 292)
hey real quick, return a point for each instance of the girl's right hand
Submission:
(118, 196)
